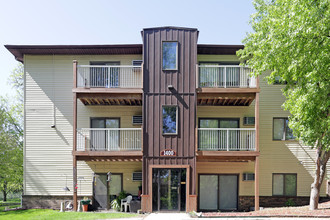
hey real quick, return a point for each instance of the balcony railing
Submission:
(226, 139)
(224, 76)
(109, 139)
(100, 76)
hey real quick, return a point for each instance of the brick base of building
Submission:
(246, 202)
(47, 202)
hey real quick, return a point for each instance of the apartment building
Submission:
(177, 124)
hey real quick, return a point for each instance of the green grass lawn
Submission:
(55, 214)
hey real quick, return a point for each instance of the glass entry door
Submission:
(169, 189)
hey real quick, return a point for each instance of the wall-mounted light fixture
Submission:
(170, 87)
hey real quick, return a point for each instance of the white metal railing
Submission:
(108, 139)
(100, 76)
(224, 76)
(226, 139)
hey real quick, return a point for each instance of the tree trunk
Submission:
(322, 158)
(4, 191)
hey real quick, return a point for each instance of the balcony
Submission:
(108, 85)
(225, 85)
(100, 76)
(109, 141)
(226, 139)
(225, 76)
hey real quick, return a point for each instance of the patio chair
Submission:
(126, 203)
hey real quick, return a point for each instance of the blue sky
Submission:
(114, 22)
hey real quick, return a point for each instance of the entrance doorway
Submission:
(218, 192)
(169, 189)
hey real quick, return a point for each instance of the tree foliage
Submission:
(11, 136)
(291, 39)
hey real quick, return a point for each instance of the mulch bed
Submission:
(300, 211)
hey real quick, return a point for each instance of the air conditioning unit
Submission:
(137, 119)
(249, 121)
(248, 176)
(137, 62)
(137, 176)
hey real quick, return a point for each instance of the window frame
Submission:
(285, 129)
(176, 123)
(177, 55)
(284, 189)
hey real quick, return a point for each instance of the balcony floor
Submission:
(133, 99)
(109, 155)
(225, 99)
(219, 156)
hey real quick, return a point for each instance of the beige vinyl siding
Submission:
(245, 188)
(281, 156)
(275, 156)
(216, 58)
(48, 151)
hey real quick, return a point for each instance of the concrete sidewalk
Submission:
(167, 216)
(183, 216)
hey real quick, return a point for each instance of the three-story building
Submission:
(178, 124)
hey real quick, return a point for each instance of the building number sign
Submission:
(168, 152)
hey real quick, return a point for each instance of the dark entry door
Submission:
(169, 189)
(100, 191)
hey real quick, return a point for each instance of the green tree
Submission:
(11, 137)
(291, 39)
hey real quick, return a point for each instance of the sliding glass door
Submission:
(217, 137)
(105, 139)
(218, 192)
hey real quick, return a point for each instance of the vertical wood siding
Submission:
(156, 94)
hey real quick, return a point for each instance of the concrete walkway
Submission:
(167, 216)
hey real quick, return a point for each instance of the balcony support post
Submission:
(75, 205)
(256, 168)
(256, 184)
(75, 69)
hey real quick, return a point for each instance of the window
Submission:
(170, 119)
(281, 130)
(284, 184)
(279, 81)
(170, 55)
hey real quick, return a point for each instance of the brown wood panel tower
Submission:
(156, 93)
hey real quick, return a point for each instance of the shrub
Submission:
(290, 202)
